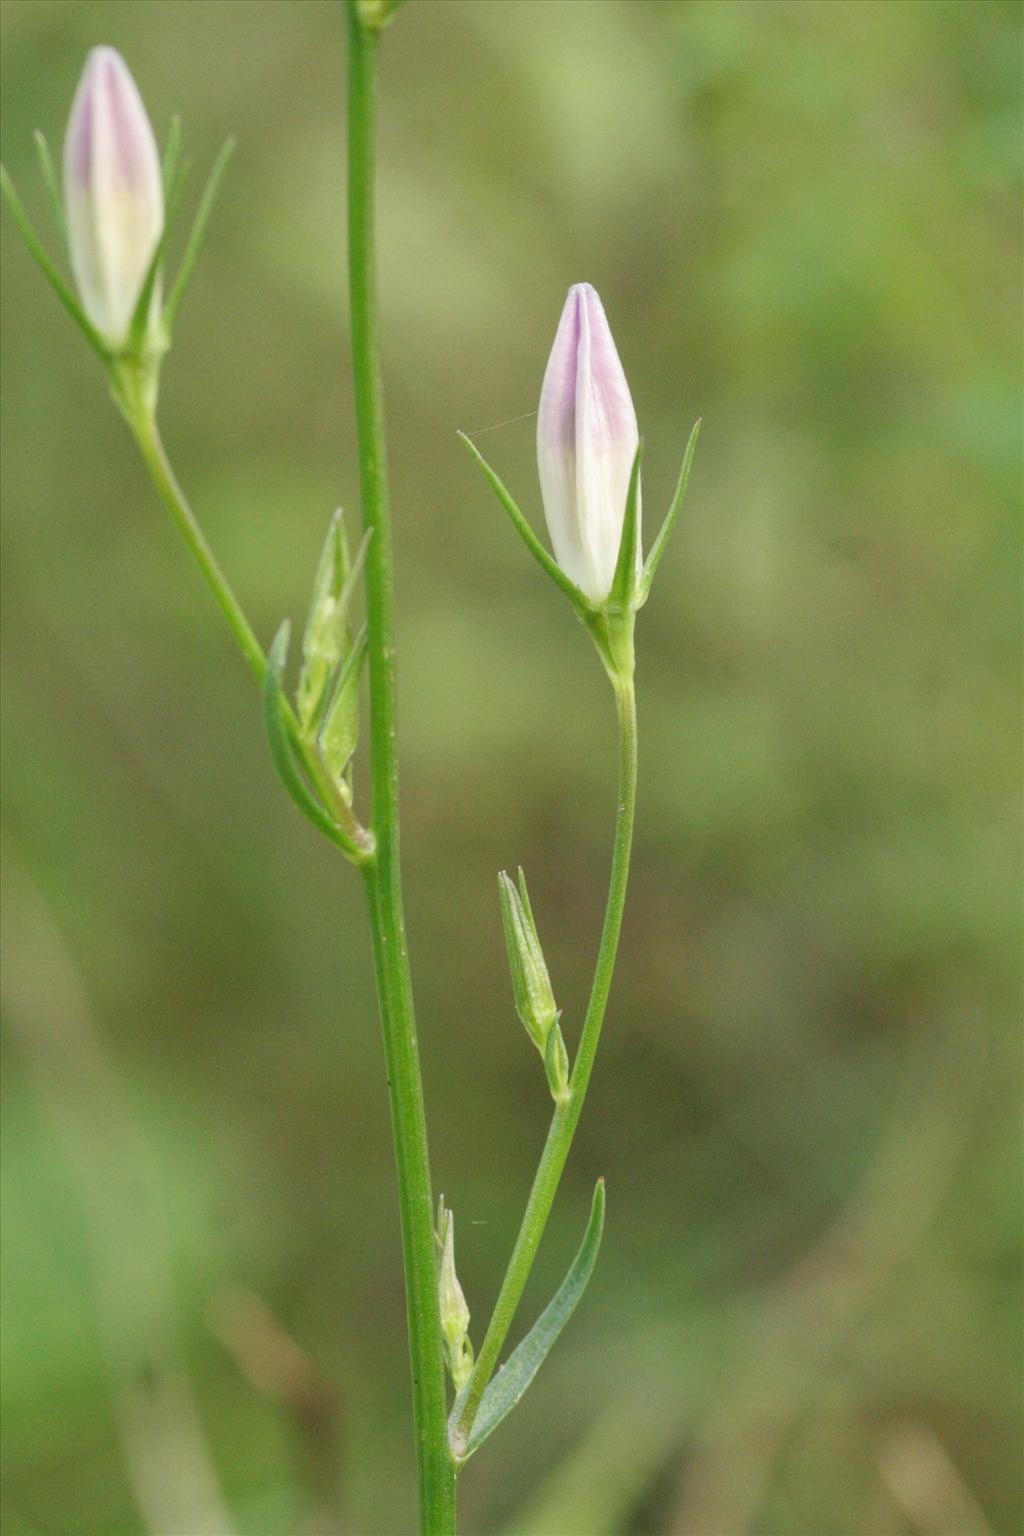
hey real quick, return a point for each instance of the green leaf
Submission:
(140, 314)
(547, 563)
(49, 176)
(281, 747)
(508, 1386)
(61, 288)
(658, 547)
(195, 238)
(339, 734)
(624, 582)
(324, 636)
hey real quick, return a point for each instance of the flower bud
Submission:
(113, 193)
(531, 985)
(324, 638)
(586, 442)
(452, 1303)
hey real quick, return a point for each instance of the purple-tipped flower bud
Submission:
(586, 441)
(113, 193)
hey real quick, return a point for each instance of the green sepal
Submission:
(339, 734)
(323, 636)
(141, 334)
(524, 897)
(556, 1064)
(327, 639)
(658, 547)
(584, 607)
(623, 592)
(49, 175)
(508, 1386)
(60, 287)
(281, 748)
(195, 238)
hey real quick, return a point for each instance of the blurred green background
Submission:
(803, 219)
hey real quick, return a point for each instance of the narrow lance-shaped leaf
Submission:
(60, 287)
(281, 748)
(658, 547)
(624, 582)
(546, 562)
(195, 239)
(49, 175)
(508, 1386)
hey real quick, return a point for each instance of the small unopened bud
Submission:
(586, 442)
(113, 193)
(531, 985)
(452, 1303)
(328, 694)
(324, 637)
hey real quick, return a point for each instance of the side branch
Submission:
(567, 1114)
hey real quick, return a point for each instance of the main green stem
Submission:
(383, 875)
(567, 1114)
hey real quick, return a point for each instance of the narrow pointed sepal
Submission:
(519, 1370)
(556, 1064)
(60, 286)
(338, 736)
(323, 637)
(658, 547)
(584, 607)
(623, 594)
(144, 337)
(49, 174)
(198, 231)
